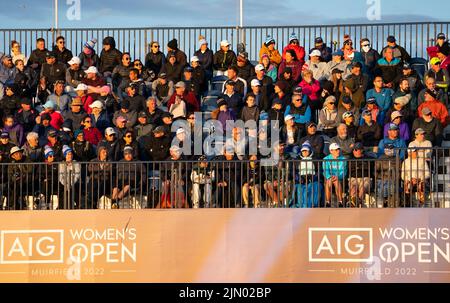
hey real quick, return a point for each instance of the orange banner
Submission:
(226, 245)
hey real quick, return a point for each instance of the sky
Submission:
(152, 13)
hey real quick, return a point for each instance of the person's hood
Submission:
(110, 41)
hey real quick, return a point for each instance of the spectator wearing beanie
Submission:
(83, 149)
(268, 48)
(205, 58)
(172, 47)
(280, 94)
(110, 57)
(294, 45)
(88, 57)
(438, 110)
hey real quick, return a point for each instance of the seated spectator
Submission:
(83, 150)
(110, 57)
(326, 52)
(295, 46)
(202, 178)
(52, 70)
(389, 68)
(356, 84)
(336, 63)
(31, 149)
(14, 129)
(17, 54)
(369, 132)
(198, 75)
(147, 75)
(291, 62)
(154, 114)
(167, 120)
(416, 176)
(155, 59)
(432, 127)
(397, 118)
(162, 89)
(137, 101)
(63, 55)
(25, 79)
(172, 68)
(276, 113)
(88, 55)
(290, 133)
(431, 85)
(60, 97)
(265, 81)
(315, 140)
(143, 128)
(250, 112)
(438, 110)
(349, 120)
(246, 70)
(360, 172)
(369, 55)
(93, 79)
(421, 143)
(403, 103)
(311, 88)
(261, 99)
(10, 102)
(382, 95)
(252, 180)
(224, 114)
(328, 117)
(76, 113)
(91, 133)
(393, 139)
(191, 84)
(343, 140)
(398, 52)
(205, 58)
(338, 83)
(224, 58)
(192, 104)
(316, 66)
(415, 82)
(287, 79)
(386, 171)
(125, 112)
(134, 79)
(172, 47)
(56, 117)
(128, 139)
(240, 84)
(99, 116)
(42, 127)
(110, 143)
(440, 75)
(334, 173)
(74, 74)
(347, 105)
(121, 75)
(301, 111)
(121, 126)
(268, 48)
(5, 146)
(43, 91)
(156, 146)
(269, 69)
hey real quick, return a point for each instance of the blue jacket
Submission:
(384, 98)
(397, 143)
(335, 168)
(302, 115)
(102, 123)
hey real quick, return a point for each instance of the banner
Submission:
(226, 245)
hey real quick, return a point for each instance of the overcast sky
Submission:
(148, 13)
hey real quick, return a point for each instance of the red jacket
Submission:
(438, 110)
(56, 119)
(192, 104)
(311, 90)
(92, 135)
(87, 100)
(299, 51)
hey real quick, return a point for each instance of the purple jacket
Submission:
(404, 131)
(224, 116)
(16, 134)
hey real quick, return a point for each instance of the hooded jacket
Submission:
(111, 58)
(299, 51)
(274, 55)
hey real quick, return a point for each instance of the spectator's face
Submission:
(128, 138)
(106, 47)
(436, 67)
(315, 59)
(151, 104)
(398, 106)
(128, 156)
(305, 153)
(420, 137)
(204, 46)
(404, 85)
(297, 100)
(172, 60)
(155, 48)
(393, 133)
(191, 119)
(142, 120)
(40, 45)
(50, 158)
(16, 48)
(103, 154)
(378, 82)
(338, 76)
(431, 84)
(231, 74)
(96, 110)
(25, 107)
(271, 46)
(241, 61)
(250, 101)
(194, 64)
(256, 89)
(397, 120)
(20, 65)
(265, 61)
(174, 154)
(17, 156)
(330, 105)
(50, 60)
(179, 90)
(229, 88)
(349, 120)
(289, 57)
(133, 76)
(187, 75)
(335, 152)
(413, 154)
(4, 141)
(33, 142)
(342, 131)
(59, 88)
(61, 43)
(76, 108)
(337, 59)
(392, 44)
(356, 71)
(88, 122)
(51, 139)
(162, 81)
(389, 54)
(9, 122)
(45, 122)
(225, 48)
(137, 64)
(110, 138)
(228, 155)
(121, 124)
(290, 122)
(91, 76)
(312, 129)
(167, 120)
(80, 93)
(126, 60)
(181, 136)
(131, 90)
(358, 153)
(367, 118)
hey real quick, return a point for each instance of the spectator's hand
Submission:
(333, 178)
(38, 120)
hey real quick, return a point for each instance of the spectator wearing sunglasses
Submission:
(121, 75)
(155, 59)
(63, 55)
(370, 56)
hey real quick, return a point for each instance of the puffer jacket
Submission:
(274, 55)
(224, 60)
(111, 58)
(155, 61)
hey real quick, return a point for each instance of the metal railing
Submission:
(414, 36)
(370, 182)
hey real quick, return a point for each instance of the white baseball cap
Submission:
(288, 117)
(315, 53)
(180, 130)
(74, 60)
(259, 67)
(255, 82)
(82, 86)
(91, 70)
(224, 43)
(110, 131)
(194, 59)
(334, 146)
(96, 104)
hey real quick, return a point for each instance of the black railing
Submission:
(414, 36)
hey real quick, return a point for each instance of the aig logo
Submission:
(31, 246)
(340, 244)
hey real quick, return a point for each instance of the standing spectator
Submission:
(334, 173)
(19, 177)
(199, 75)
(386, 171)
(155, 59)
(88, 56)
(25, 78)
(398, 51)
(110, 57)
(172, 47)
(325, 51)
(37, 57)
(63, 55)
(224, 58)
(101, 176)
(295, 46)
(252, 183)
(268, 48)
(205, 58)
(438, 110)
(69, 178)
(309, 188)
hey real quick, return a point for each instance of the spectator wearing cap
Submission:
(26, 116)
(88, 55)
(315, 64)
(422, 144)
(246, 70)
(438, 110)
(370, 56)
(37, 56)
(400, 104)
(199, 75)
(240, 83)
(86, 99)
(142, 128)
(172, 47)
(389, 68)
(93, 79)
(205, 58)
(349, 120)
(398, 51)
(60, 97)
(290, 60)
(53, 70)
(182, 94)
(110, 143)
(334, 171)
(268, 48)
(393, 139)
(440, 75)
(162, 89)
(10, 101)
(31, 149)
(264, 80)
(74, 74)
(261, 99)
(155, 59)
(121, 74)
(397, 118)
(126, 112)
(347, 105)
(416, 177)
(309, 188)
(356, 85)
(109, 57)
(337, 62)
(14, 129)
(121, 126)
(294, 45)
(270, 69)
(202, 177)
(91, 133)
(315, 140)
(99, 116)
(83, 150)
(351, 55)
(311, 88)
(172, 68)
(5, 147)
(224, 58)
(156, 146)
(136, 100)
(56, 117)
(369, 133)
(328, 117)
(300, 110)
(415, 81)
(382, 95)
(6, 72)
(430, 84)
(63, 55)
(53, 141)
(290, 133)
(343, 140)
(191, 84)
(326, 52)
